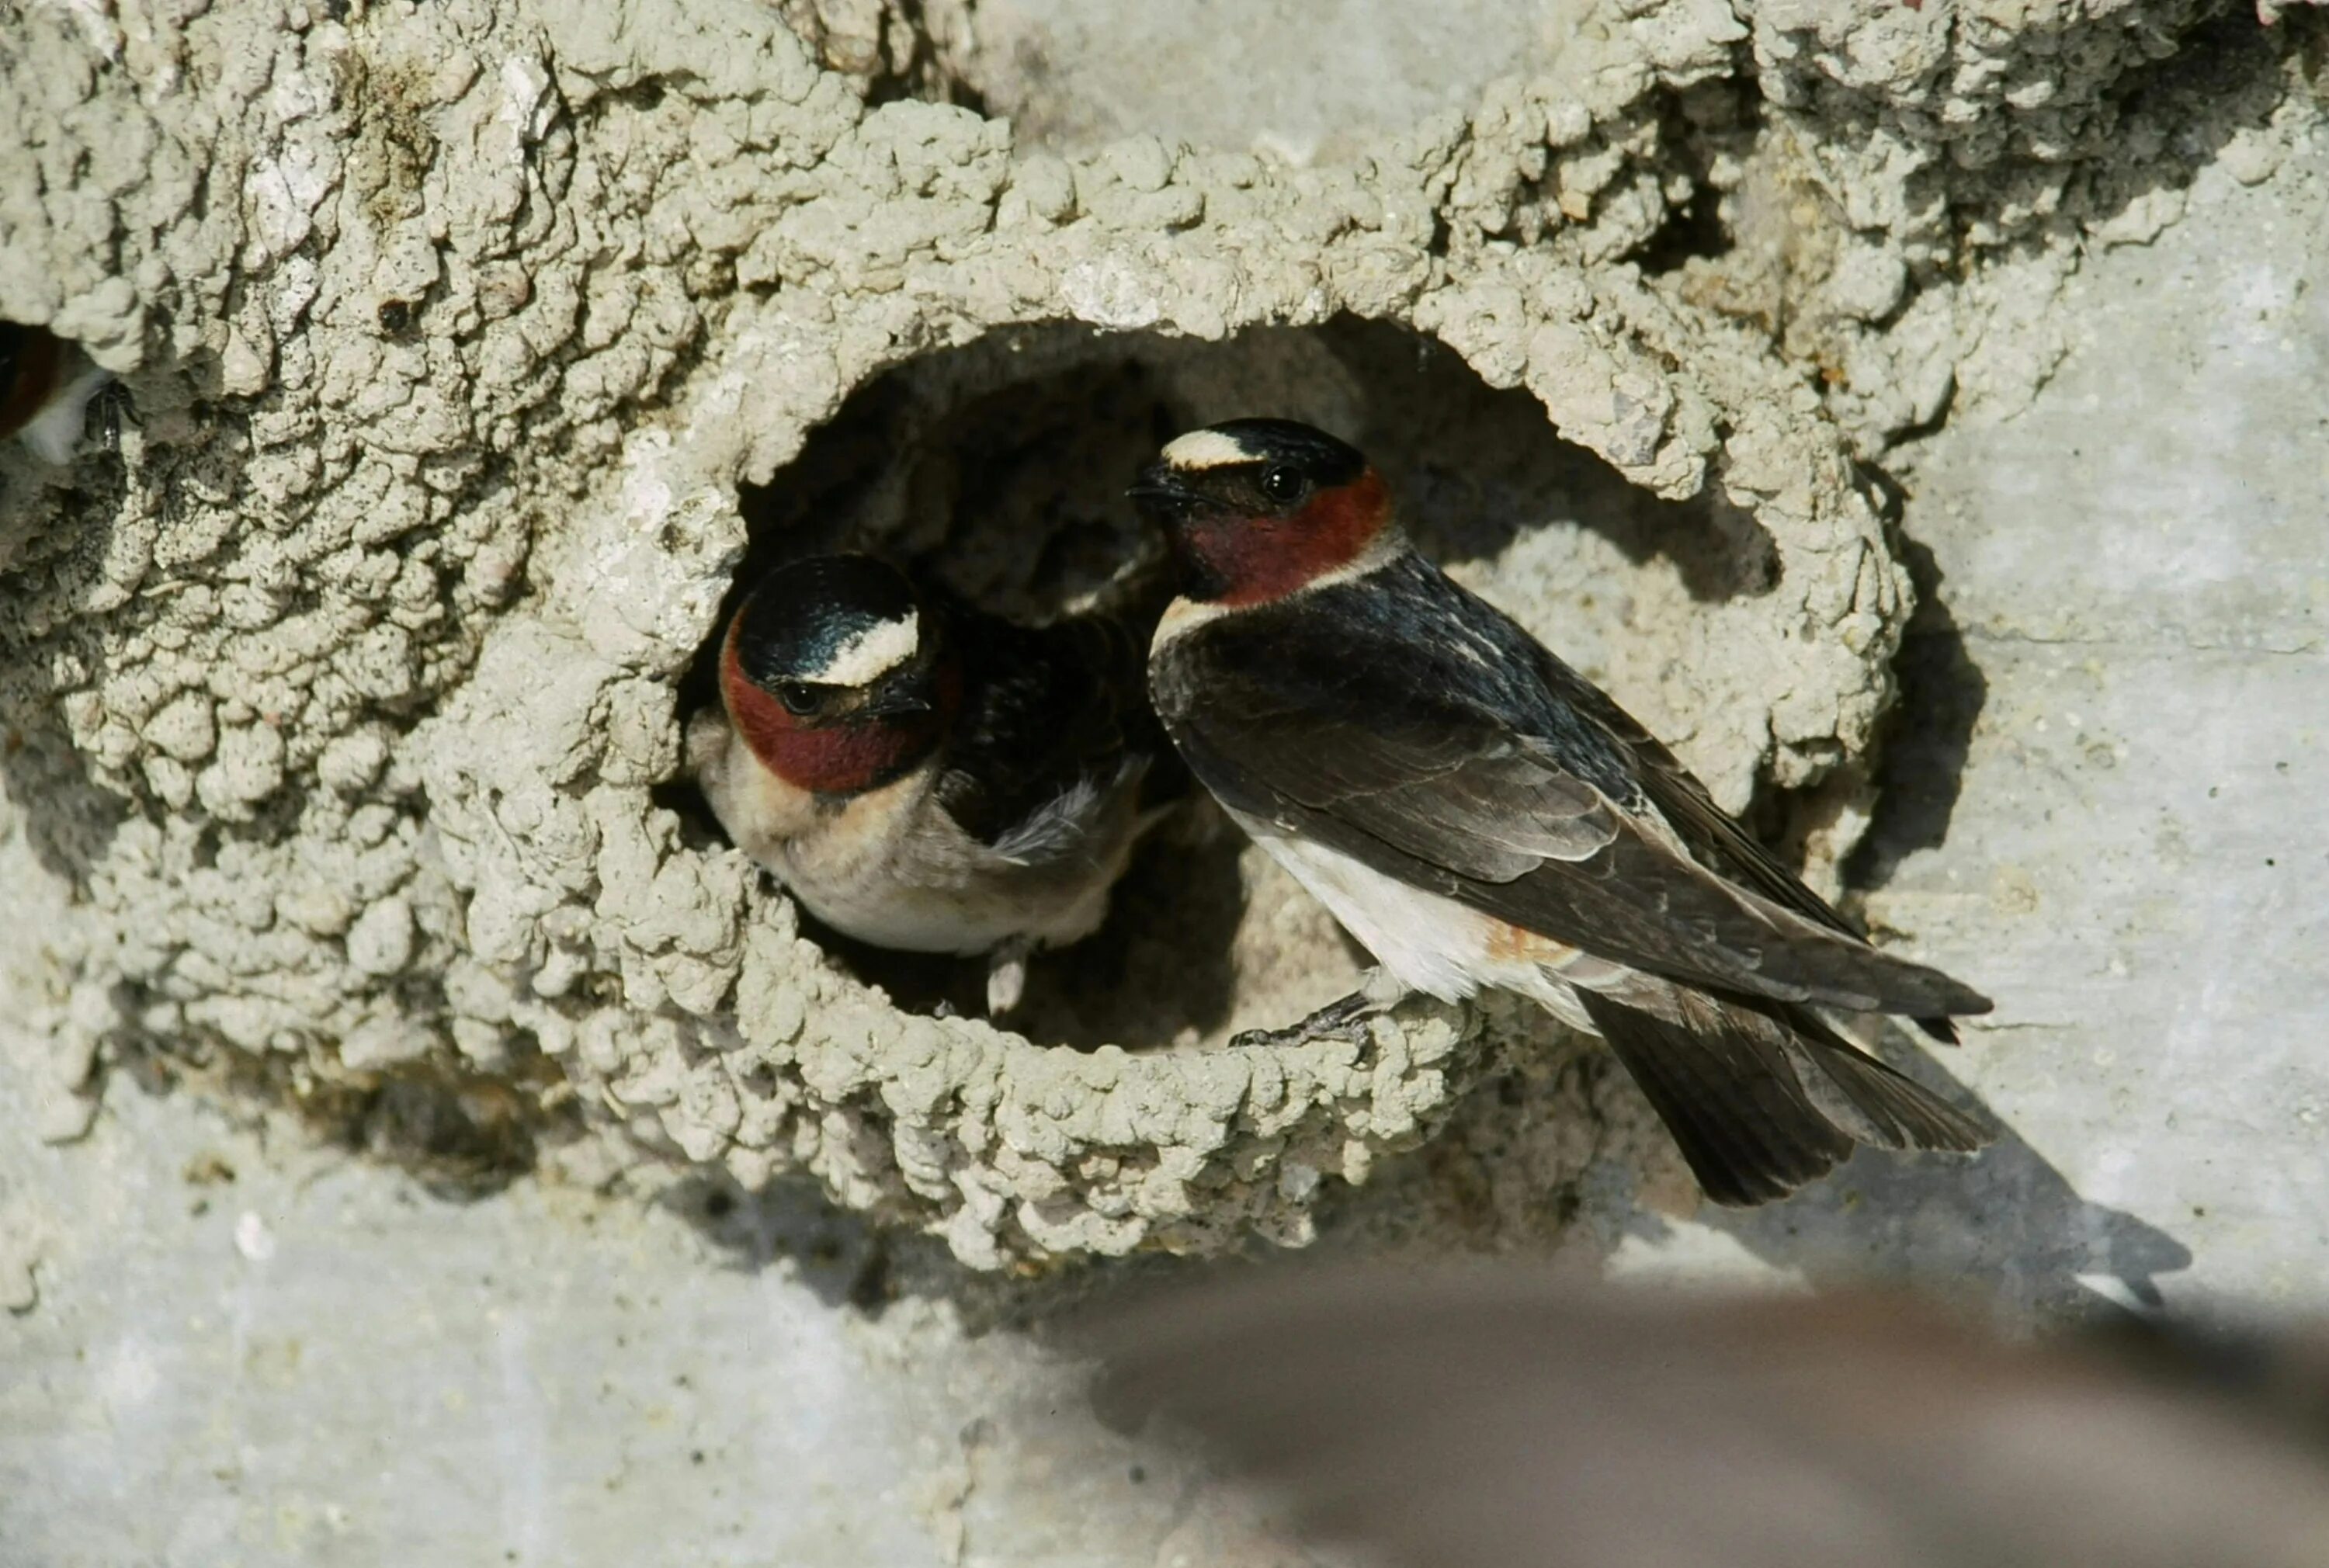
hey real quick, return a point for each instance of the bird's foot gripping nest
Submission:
(1347, 1019)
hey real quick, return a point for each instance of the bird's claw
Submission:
(1345, 1021)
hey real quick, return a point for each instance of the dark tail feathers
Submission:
(1726, 1077)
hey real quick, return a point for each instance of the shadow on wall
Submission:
(1560, 1152)
(2006, 1227)
(1921, 771)
(2178, 113)
(2004, 1223)
(845, 1258)
(998, 470)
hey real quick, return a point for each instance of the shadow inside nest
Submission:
(1140, 981)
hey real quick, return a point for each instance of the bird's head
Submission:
(1258, 509)
(835, 673)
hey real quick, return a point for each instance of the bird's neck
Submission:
(1242, 562)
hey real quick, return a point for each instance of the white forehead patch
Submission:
(872, 654)
(1205, 449)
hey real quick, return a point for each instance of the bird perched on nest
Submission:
(923, 776)
(1479, 815)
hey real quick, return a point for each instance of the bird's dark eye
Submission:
(1282, 485)
(797, 698)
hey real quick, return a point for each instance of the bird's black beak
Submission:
(1161, 492)
(896, 703)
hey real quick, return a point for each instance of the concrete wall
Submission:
(436, 1141)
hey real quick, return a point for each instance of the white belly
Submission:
(1431, 943)
(889, 868)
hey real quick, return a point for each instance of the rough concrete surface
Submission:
(1772, 364)
(348, 690)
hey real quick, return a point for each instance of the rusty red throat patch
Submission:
(1258, 560)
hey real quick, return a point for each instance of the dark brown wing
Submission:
(1052, 716)
(1713, 835)
(1404, 722)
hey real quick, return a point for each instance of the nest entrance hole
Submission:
(997, 470)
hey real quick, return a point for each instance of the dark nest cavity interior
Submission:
(998, 471)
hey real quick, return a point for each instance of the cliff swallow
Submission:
(1495, 1416)
(923, 776)
(1478, 814)
(45, 387)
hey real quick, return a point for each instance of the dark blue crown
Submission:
(806, 611)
